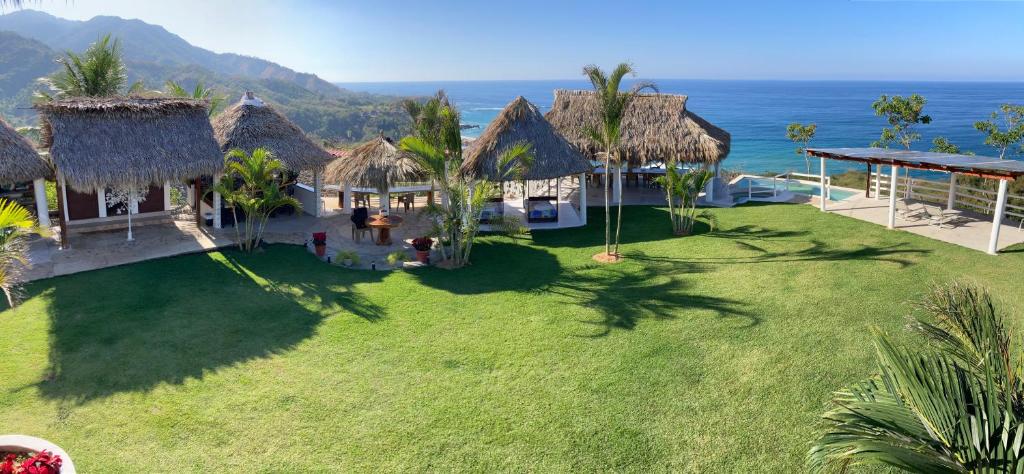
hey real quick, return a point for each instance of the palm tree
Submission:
(98, 72)
(250, 184)
(956, 405)
(612, 107)
(16, 223)
(436, 145)
(199, 92)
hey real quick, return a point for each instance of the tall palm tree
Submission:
(199, 92)
(612, 107)
(98, 72)
(956, 405)
(16, 223)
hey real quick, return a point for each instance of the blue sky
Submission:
(399, 40)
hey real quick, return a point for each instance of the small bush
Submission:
(396, 257)
(342, 255)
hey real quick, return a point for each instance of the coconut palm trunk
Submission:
(607, 203)
(618, 218)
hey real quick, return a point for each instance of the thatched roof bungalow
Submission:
(656, 127)
(520, 121)
(103, 142)
(377, 164)
(19, 160)
(100, 143)
(252, 124)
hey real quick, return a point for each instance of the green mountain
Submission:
(31, 41)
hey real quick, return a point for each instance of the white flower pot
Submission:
(22, 443)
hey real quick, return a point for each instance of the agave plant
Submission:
(951, 406)
(250, 183)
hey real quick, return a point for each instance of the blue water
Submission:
(794, 187)
(756, 112)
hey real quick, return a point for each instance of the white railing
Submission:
(965, 197)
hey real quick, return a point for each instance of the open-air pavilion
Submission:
(949, 220)
(23, 173)
(551, 192)
(376, 167)
(656, 129)
(252, 124)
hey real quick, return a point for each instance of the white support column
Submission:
(616, 184)
(217, 224)
(824, 192)
(101, 201)
(42, 209)
(64, 196)
(951, 199)
(997, 217)
(346, 206)
(318, 188)
(583, 198)
(892, 197)
(878, 183)
(167, 195)
(385, 200)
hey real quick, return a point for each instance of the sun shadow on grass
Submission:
(110, 333)
(498, 265)
(640, 224)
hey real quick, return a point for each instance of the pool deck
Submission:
(973, 234)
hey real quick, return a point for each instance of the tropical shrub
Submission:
(343, 255)
(397, 257)
(16, 224)
(250, 183)
(956, 404)
(681, 191)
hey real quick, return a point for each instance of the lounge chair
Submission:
(911, 211)
(948, 218)
(359, 217)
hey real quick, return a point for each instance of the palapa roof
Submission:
(19, 160)
(655, 127)
(377, 164)
(520, 121)
(250, 124)
(134, 141)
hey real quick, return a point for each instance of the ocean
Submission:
(756, 112)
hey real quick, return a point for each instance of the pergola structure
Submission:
(954, 164)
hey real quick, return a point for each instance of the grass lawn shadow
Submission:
(211, 310)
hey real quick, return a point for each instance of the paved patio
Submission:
(974, 234)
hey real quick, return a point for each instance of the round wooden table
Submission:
(384, 226)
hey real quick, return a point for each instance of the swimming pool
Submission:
(763, 186)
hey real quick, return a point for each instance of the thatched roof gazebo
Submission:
(112, 142)
(555, 161)
(656, 127)
(252, 124)
(19, 160)
(377, 166)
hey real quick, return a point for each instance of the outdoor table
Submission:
(384, 226)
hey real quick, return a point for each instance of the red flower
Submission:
(43, 462)
(7, 467)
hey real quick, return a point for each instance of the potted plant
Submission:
(26, 454)
(396, 258)
(320, 243)
(347, 258)
(422, 246)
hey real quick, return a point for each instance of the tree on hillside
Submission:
(903, 115)
(199, 92)
(98, 72)
(802, 134)
(612, 105)
(954, 404)
(1008, 139)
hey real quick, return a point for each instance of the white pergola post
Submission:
(823, 196)
(385, 201)
(346, 206)
(892, 197)
(951, 199)
(616, 184)
(42, 209)
(101, 201)
(878, 182)
(167, 195)
(997, 217)
(318, 186)
(583, 197)
(64, 198)
(216, 205)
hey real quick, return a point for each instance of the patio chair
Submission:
(910, 211)
(406, 200)
(944, 218)
(359, 217)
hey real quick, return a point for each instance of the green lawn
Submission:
(715, 352)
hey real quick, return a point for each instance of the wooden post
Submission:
(64, 241)
(867, 187)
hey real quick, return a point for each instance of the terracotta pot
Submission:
(21, 443)
(321, 249)
(423, 256)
